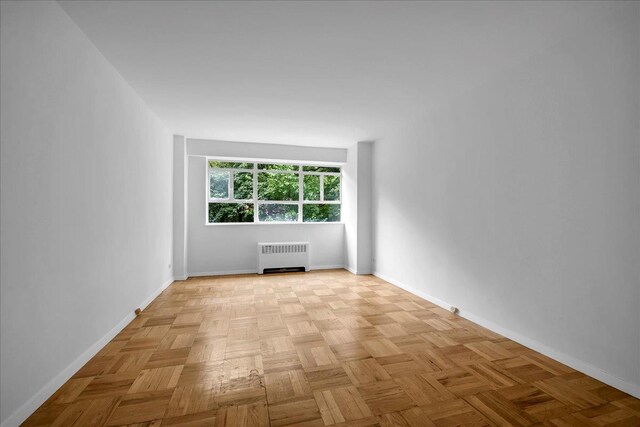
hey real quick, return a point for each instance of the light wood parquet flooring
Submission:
(315, 349)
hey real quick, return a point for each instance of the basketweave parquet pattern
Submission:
(321, 348)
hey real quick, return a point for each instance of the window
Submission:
(270, 192)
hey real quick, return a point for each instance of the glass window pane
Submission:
(320, 169)
(278, 212)
(243, 185)
(331, 187)
(321, 213)
(219, 184)
(311, 187)
(269, 166)
(278, 186)
(230, 212)
(230, 165)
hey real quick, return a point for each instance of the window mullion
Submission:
(255, 192)
(230, 185)
(208, 185)
(300, 192)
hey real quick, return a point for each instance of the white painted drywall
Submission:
(252, 150)
(86, 202)
(350, 208)
(519, 201)
(364, 221)
(356, 208)
(179, 207)
(228, 248)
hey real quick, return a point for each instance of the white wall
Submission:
(364, 220)
(229, 248)
(86, 202)
(252, 150)
(179, 207)
(519, 201)
(356, 210)
(350, 208)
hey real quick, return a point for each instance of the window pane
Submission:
(274, 212)
(321, 213)
(230, 165)
(278, 186)
(268, 166)
(230, 212)
(243, 185)
(320, 169)
(312, 187)
(219, 184)
(331, 187)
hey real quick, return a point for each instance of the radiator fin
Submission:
(284, 249)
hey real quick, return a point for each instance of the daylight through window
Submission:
(268, 192)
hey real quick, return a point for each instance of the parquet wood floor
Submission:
(321, 348)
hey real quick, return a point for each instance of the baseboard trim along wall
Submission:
(350, 269)
(255, 271)
(221, 273)
(326, 267)
(577, 364)
(45, 392)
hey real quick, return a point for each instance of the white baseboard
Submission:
(155, 293)
(29, 407)
(255, 271)
(352, 270)
(222, 273)
(413, 290)
(573, 362)
(326, 267)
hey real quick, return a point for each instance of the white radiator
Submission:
(283, 255)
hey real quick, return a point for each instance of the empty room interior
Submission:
(320, 213)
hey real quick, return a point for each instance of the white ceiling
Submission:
(312, 73)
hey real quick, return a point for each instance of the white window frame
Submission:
(256, 202)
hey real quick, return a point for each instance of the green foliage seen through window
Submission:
(243, 185)
(320, 169)
(331, 187)
(312, 187)
(275, 183)
(230, 212)
(269, 166)
(277, 186)
(278, 212)
(230, 165)
(219, 184)
(321, 213)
